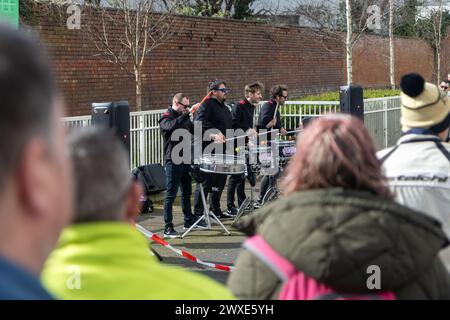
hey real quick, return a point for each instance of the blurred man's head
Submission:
(444, 85)
(35, 171)
(424, 106)
(105, 189)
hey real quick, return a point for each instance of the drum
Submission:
(287, 148)
(222, 164)
(262, 155)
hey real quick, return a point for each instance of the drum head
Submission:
(222, 164)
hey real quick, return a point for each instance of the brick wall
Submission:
(236, 51)
(371, 60)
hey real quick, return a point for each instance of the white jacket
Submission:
(418, 169)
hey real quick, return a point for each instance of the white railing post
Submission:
(385, 123)
(142, 144)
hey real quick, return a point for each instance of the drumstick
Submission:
(258, 134)
(193, 110)
(298, 130)
(275, 113)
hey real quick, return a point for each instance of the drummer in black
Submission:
(270, 119)
(243, 115)
(177, 172)
(214, 115)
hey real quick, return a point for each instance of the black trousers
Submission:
(177, 177)
(213, 186)
(268, 182)
(236, 182)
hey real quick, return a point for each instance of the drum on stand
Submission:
(263, 158)
(287, 149)
(218, 164)
(222, 164)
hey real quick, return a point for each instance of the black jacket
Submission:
(267, 113)
(214, 115)
(243, 113)
(170, 121)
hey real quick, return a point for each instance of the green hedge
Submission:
(368, 94)
(328, 96)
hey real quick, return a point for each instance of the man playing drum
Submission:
(177, 174)
(270, 119)
(214, 115)
(243, 114)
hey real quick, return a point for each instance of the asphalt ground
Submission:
(212, 245)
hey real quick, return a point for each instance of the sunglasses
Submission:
(184, 105)
(444, 87)
(284, 96)
(224, 90)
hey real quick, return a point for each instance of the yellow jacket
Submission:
(111, 260)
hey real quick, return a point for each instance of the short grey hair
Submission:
(101, 172)
(27, 97)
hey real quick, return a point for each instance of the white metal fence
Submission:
(381, 117)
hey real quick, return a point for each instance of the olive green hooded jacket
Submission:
(334, 235)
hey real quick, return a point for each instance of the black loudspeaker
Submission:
(351, 101)
(113, 115)
(152, 177)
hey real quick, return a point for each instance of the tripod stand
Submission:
(248, 204)
(207, 216)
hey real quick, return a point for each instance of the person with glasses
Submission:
(445, 84)
(270, 120)
(177, 174)
(215, 118)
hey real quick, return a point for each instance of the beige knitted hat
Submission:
(423, 105)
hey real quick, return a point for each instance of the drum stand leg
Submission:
(220, 223)
(206, 216)
(241, 209)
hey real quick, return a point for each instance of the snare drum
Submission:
(222, 164)
(287, 148)
(263, 154)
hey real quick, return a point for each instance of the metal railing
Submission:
(382, 120)
(381, 117)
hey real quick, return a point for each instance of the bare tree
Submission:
(330, 19)
(347, 21)
(348, 42)
(126, 31)
(431, 27)
(391, 45)
(437, 28)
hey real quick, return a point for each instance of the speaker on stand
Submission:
(114, 115)
(351, 101)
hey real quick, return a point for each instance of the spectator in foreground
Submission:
(337, 219)
(102, 255)
(35, 171)
(418, 166)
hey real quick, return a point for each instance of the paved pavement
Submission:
(208, 245)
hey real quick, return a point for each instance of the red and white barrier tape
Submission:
(185, 254)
